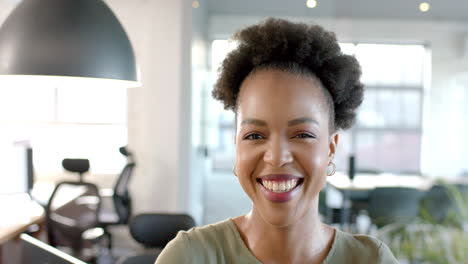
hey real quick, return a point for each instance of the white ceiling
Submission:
(443, 10)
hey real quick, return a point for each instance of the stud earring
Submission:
(331, 170)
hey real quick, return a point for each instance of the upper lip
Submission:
(279, 177)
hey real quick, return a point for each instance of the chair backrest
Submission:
(79, 166)
(156, 230)
(122, 199)
(462, 188)
(436, 202)
(72, 209)
(395, 204)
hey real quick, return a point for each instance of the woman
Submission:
(292, 90)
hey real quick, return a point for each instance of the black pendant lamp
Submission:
(65, 43)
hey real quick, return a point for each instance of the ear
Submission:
(332, 145)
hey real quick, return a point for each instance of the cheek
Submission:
(246, 159)
(314, 160)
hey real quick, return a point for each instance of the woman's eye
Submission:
(304, 135)
(253, 136)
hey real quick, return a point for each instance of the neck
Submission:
(306, 240)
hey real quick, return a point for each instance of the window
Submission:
(220, 132)
(65, 123)
(387, 135)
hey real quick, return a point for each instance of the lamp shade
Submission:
(65, 43)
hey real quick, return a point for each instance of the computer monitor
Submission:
(38, 252)
(17, 170)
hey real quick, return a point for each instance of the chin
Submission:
(282, 215)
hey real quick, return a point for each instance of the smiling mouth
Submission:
(280, 186)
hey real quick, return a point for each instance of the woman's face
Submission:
(283, 144)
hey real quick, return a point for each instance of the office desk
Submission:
(359, 189)
(368, 182)
(18, 212)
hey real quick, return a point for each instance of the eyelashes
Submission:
(258, 136)
(253, 136)
(305, 135)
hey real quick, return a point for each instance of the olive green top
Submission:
(221, 243)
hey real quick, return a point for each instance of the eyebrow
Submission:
(302, 120)
(294, 122)
(253, 121)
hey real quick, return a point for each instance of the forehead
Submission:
(276, 93)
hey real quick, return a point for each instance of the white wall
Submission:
(159, 119)
(444, 150)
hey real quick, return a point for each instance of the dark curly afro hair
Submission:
(296, 48)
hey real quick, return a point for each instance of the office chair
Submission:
(72, 209)
(393, 205)
(155, 231)
(438, 203)
(121, 199)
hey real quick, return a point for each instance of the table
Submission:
(358, 190)
(368, 182)
(18, 212)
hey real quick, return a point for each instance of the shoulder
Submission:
(199, 244)
(359, 249)
(211, 235)
(172, 251)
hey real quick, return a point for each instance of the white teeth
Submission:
(275, 187)
(280, 186)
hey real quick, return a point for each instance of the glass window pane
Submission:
(388, 151)
(343, 151)
(219, 122)
(52, 143)
(98, 143)
(368, 112)
(86, 105)
(20, 104)
(348, 48)
(391, 64)
(411, 107)
(390, 109)
(223, 156)
(219, 50)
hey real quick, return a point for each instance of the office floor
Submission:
(123, 243)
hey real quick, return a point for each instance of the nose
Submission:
(278, 153)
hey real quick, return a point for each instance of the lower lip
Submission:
(279, 197)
